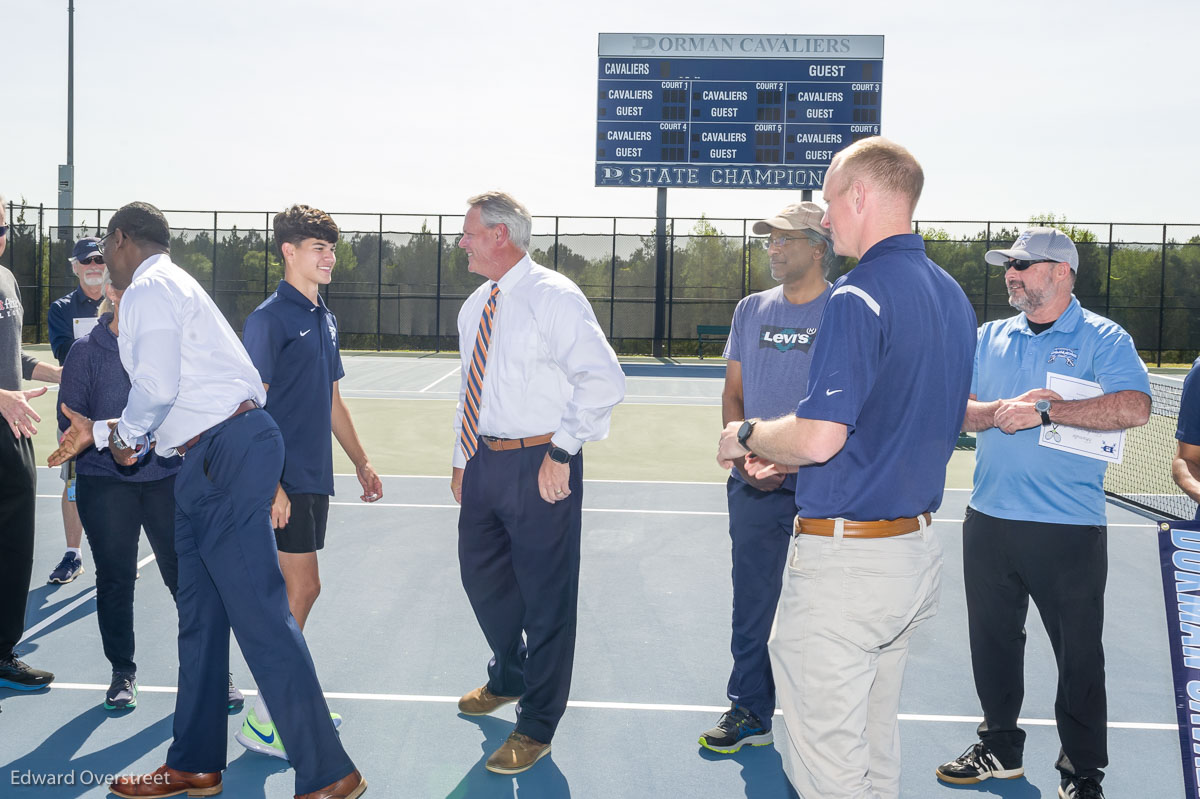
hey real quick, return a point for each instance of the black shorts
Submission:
(305, 530)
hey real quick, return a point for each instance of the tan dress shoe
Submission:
(517, 754)
(481, 702)
(166, 781)
(347, 787)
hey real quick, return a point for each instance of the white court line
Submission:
(456, 371)
(639, 706)
(79, 600)
(587, 510)
(703, 402)
(669, 379)
(647, 511)
(447, 394)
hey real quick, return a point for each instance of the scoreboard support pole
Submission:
(806, 196)
(660, 275)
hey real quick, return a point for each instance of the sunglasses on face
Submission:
(1021, 266)
(95, 259)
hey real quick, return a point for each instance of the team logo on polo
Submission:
(786, 338)
(332, 329)
(1067, 354)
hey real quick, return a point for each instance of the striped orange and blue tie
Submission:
(469, 437)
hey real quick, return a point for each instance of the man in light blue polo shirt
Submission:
(1036, 524)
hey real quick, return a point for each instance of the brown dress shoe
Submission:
(166, 781)
(347, 787)
(517, 754)
(481, 702)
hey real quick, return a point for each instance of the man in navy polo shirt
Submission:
(1186, 466)
(69, 318)
(1036, 527)
(768, 353)
(292, 340)
(887, 387)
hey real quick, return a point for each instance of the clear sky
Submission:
(1086, 109)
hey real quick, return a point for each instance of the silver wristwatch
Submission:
(114, 439)
(1042, 406)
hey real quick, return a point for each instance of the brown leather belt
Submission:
(852, 529)
(247, 405)
(502, 444)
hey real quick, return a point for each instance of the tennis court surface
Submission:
(396, 643)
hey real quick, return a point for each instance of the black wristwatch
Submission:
(1042, 406)
(744, 432)
(559, 455)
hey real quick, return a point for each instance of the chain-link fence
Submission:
(400, 279)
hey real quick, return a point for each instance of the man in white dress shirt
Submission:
(196, 392)
(539, 379)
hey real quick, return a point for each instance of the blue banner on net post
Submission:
(1179, 556)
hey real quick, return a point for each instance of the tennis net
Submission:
(1143, 478)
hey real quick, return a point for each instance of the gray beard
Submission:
(1027, 301)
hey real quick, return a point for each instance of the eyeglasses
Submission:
(779, 241)
(100, 244)
(95, 259)
(1021, 266)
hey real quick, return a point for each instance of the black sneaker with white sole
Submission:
(1079, 788)
(736, 728)
(977, 764)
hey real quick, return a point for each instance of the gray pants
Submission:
(838, 648)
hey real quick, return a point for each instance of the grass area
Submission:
(647, 442)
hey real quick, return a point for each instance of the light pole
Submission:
(66, 172)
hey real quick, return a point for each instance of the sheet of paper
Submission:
(83, 325)
(1101, 445)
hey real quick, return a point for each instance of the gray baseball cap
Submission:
(1038, 244)
(800, 216)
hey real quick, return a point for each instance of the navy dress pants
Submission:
(18, 489)
(519, 557)
(229, 578)
(113, 512)
(760, 529)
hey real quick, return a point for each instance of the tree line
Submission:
(403, 289)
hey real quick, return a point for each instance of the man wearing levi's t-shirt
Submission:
(768, 353)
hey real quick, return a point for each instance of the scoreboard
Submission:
(740, 111)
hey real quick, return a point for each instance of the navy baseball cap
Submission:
(86, 248)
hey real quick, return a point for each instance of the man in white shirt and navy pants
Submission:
(196, 392)
(539, 379)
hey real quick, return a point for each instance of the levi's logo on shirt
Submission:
(786, 338)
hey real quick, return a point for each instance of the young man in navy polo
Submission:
(292, 339)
